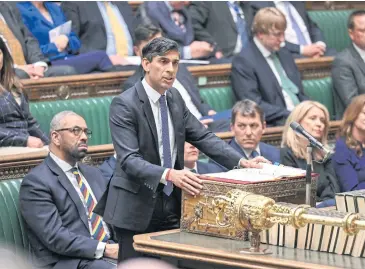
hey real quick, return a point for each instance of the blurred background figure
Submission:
(191, 155)
(41, 18)
(18, 128)
(176, 23)
(314, 118)
(349, 158)
(145, 263)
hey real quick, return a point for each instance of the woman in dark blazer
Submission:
(314, 118)
(349, 158)
(17, 125)
(40, 18)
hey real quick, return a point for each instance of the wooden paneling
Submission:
(92, 85)
(18, 165)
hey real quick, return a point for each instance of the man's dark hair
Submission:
(145, 32)
(350, 22)
(158, 47)
(247, 108)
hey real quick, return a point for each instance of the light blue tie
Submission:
(240, 24)
(295, 25)
(166, 142)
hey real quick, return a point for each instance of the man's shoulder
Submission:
(345, 56)
(39, 173)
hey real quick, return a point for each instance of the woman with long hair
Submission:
(349, 158)
(314, 118)
(17, 126)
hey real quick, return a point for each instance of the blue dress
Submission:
(349, 167)
(39, 26)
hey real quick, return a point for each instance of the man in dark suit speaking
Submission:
(149, 125)
(57, 198)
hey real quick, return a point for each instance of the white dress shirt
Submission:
(154, 97)
(266, 53)
(39, 63)
(66, 167)
(249, 151)
(187, 99)
(195, 168)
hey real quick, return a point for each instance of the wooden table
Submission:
(188, 250)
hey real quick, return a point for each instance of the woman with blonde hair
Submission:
(314, 118)
(17, 126)
(349, 158)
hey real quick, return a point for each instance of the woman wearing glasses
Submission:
(314, 118)
(18, 128)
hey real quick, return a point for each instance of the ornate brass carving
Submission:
(245, 210)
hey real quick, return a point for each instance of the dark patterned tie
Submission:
(167, 162)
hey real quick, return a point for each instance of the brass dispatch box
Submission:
(198, 215)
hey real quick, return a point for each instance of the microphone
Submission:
(314, 142)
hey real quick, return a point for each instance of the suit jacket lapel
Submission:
(266, 69)
(238, 148)
(146, 106)
(65, 182)
(359, 61)
(9, 96)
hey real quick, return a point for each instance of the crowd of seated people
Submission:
(261, 39)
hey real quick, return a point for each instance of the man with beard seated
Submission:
(57, 199)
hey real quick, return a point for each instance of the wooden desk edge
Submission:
(146, 244)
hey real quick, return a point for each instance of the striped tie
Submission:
(97, 228)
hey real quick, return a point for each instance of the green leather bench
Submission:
(94, 110)
(316, 89)
(333, 24)
(218, 98)
(12, 232)
(320, 90)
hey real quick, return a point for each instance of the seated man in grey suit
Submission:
(184, 82)
(266, 73)
(28, 59)
(348, 68)
(57, 199)
(248, 125)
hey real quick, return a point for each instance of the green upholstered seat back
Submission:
(218, 98)
(320, 90)
(333, 24)
(94, 110)
(12, 233)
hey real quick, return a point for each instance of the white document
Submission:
(63, 29)
(268, 172)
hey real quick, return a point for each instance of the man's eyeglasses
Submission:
(77, 131)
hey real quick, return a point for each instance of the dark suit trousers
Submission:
(87, 62)
(166, 216)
